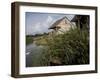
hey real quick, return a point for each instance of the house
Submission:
(60, 26)
(82, 21)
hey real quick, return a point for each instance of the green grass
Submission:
(69, 48)
(29, 40)
(41, 40)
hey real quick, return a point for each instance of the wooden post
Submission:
(78, 23)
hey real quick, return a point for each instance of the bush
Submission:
(69, 48)
(29, 40)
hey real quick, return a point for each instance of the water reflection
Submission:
(33, 53)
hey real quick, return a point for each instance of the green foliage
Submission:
(69, 48)
(29, 39)
(41, 40)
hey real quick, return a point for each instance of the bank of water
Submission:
(33, 55)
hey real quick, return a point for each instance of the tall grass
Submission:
(69, 48)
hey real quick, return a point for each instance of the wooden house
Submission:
(82, 21)
(62, 25)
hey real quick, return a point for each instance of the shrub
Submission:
(29, 40)
(69, 48)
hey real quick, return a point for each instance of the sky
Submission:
(36, 23)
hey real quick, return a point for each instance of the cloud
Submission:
(37, 28)
(47, 23)
(49, 19)
(43, 26)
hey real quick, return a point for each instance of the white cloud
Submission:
(42, 27)
(37, 27)
(48, 22)
(49, 19)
